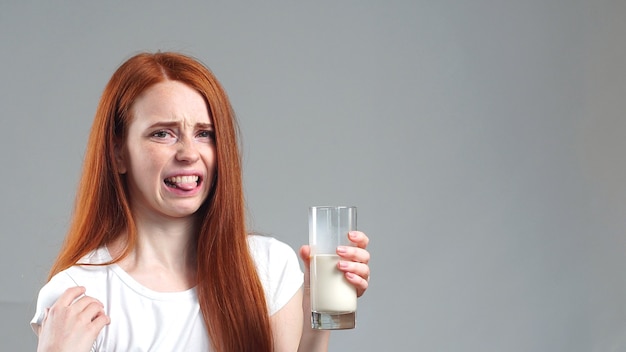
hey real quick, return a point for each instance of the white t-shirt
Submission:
(146, 320)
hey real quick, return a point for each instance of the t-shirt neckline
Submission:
(140, 289)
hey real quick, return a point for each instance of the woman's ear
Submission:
(120, 159)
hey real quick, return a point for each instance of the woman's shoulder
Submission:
(271, 255)
(267, 246)
(278, 269)
(88, 269)
(84, 273)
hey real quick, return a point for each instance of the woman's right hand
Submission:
(72, 323)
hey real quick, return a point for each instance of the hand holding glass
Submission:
(333, 298)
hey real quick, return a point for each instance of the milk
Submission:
(330, 291)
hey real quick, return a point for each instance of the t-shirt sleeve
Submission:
(278, 269)
(49, 294)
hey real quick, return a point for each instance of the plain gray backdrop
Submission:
(482, 141)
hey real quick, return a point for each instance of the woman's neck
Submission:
(163, 258)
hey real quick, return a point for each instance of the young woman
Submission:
(166, 263)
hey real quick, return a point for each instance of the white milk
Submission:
(330, 291)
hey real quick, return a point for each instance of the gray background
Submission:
(482, 141)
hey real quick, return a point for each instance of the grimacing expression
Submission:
(169, 152)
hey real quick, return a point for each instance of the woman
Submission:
(159, 228)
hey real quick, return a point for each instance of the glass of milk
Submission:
(333, 298)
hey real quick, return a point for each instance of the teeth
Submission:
(182, 179)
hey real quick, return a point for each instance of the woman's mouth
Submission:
(186, 183)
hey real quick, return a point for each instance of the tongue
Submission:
(187, 186)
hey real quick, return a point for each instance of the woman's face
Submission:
(169, 153)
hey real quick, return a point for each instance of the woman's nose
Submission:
(187, 151)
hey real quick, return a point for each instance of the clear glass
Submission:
(333, 298)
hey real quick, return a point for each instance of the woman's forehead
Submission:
(171, 102)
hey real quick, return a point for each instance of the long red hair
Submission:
(230, 293)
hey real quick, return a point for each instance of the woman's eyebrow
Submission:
(163, 124)
(202, 125)
(205, 126)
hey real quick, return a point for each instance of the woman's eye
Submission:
(160, 134)
(206, 134)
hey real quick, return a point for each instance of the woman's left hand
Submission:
(353, 261)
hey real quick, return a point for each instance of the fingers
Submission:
(359, 282)
(99, 321)
(354, 268)
(70, 295)
(93, 317)
(91, 311)
(357, 253)
(359, 238)
(305, 254)
(85, 310)
(354, 254)
(84, 302)
(354, 261)
(73, 302)
(72, 323)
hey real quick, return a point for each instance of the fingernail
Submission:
(343, 265)
(342, 250)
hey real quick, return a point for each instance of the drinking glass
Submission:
(333, 298)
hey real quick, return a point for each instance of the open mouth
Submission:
(183, 182)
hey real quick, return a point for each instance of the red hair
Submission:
(230, 293)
